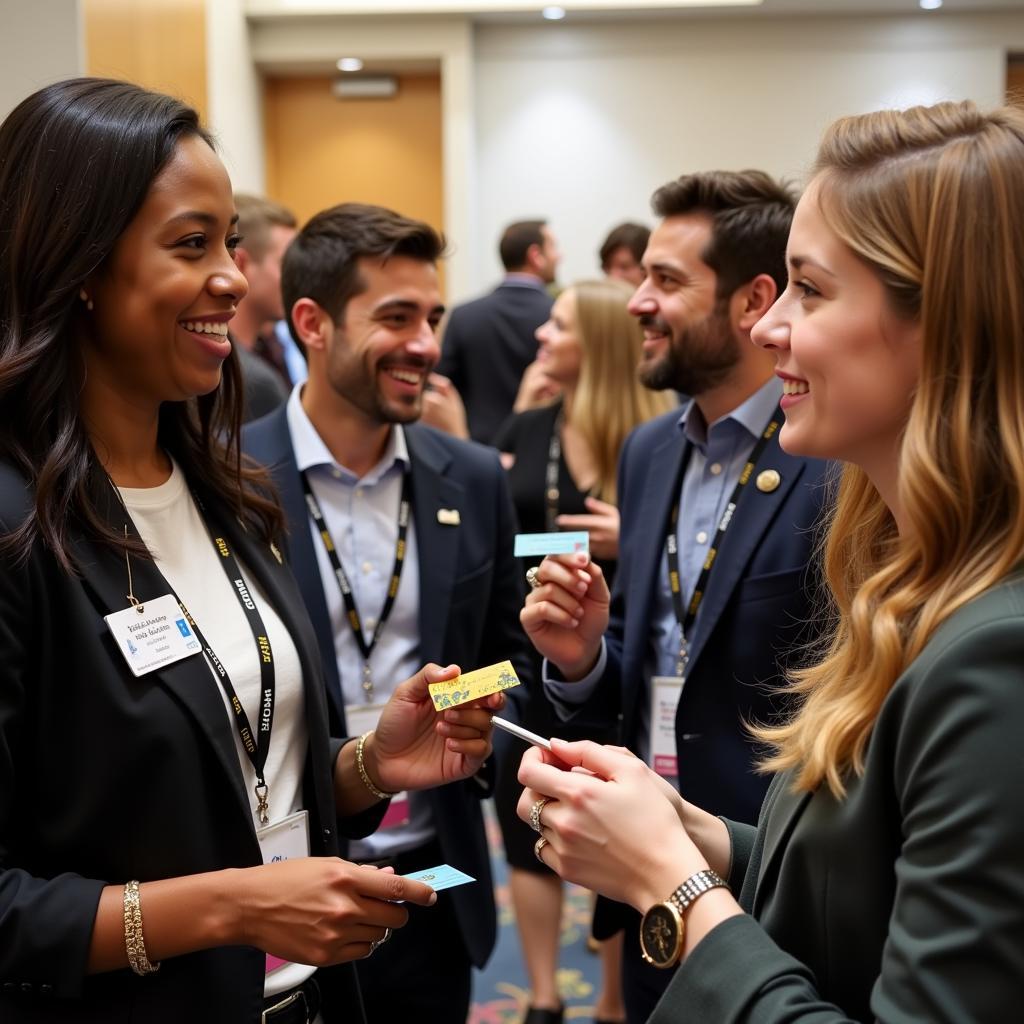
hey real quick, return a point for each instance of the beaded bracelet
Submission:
(134, 944)
(364, 774)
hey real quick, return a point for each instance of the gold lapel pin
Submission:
(448, 516)
(276, 553)
(768, 480)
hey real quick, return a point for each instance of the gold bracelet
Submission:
(134, 944)
(364, 774)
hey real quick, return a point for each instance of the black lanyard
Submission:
(256, 747)
(551, 490)
(352, 612)
(686, 614)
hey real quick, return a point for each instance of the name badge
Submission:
(665, 694)
(159, 635)
(362, 718)
(286, 839)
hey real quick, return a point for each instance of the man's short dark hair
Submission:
(322, 263)
(516, 241)
(256, 217)
(750, 212)
(630, 236)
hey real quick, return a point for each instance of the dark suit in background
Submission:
(470, 595)
(488, 343)
(903, 902)
(105, 777)
(264, 390)
(758, 604)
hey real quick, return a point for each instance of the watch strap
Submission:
(694, 887)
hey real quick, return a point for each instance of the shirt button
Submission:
(715, 468)
(336, 473)
(370, 623)
(359, 492)
(702, 537)
(367, 567)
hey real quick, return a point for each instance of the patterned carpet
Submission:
(500, 991)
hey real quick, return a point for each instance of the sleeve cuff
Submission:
(567, 697)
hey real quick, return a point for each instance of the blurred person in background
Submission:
(622, 253)
(562, 461)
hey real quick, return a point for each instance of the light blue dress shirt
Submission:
(294, 360)
(717, 458)
(362, 516)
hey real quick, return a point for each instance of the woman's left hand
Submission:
(416, 747)
(602, 523)
(609, 824)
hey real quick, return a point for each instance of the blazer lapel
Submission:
(437, 541)
(302, 558)
(781, 818)
(755, 512)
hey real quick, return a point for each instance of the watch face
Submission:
(661, 936)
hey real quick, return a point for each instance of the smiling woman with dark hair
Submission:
(168, 789)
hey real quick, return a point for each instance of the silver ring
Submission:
(532, 577)
(538, 847)
(535, 812)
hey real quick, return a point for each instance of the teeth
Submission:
(407, 376)
(206, 327)
(794, 387)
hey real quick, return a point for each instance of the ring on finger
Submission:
(535, 812)
(533, 576)
(538, 847)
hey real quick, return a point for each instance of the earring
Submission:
(85, 298)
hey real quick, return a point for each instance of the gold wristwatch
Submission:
(663, 927)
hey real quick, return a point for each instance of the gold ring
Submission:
(532, 577)
(538, 846)
(535, 813)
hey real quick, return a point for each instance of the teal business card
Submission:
(534, 545)
(444, 876)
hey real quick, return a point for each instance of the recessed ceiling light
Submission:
(553, 13)
(350, 64)
(930, 5)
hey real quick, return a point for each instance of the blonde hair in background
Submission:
(610, 400)
(932, 198)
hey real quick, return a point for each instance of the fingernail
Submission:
(433, 899)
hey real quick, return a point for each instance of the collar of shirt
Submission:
(310, 450)
(752, 415)
(520, 280)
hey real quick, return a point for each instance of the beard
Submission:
(358, 382)
(697, 358)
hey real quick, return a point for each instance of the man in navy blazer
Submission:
(684, 667)
(489, 342)
(401, 539)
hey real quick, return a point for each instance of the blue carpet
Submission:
(500, 991)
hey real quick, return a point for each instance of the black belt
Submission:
(295, 1006)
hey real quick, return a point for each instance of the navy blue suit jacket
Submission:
(759, 603)
(488, 343)
(470, 595)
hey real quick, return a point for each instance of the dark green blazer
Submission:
(903, 902)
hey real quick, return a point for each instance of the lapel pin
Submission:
(768, 480)
(448, 516)
(276, 553)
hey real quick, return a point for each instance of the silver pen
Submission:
(523, 734)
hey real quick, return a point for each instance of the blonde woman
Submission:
(886, 878)
(562, 462)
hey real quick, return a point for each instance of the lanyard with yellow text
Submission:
(352, 612)
(686, 614)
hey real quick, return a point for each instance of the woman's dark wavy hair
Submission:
(76, 161)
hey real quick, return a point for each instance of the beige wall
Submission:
(160, 44)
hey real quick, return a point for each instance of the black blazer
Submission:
(470, 595)
(488, 343)
(904, 902)
(759, 601)
(105, 777)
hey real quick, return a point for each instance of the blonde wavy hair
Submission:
(931, 198)
(610, 400)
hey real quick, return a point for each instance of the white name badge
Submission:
(287, 839)
(154, 634)
(665, 694)
(362, 718)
